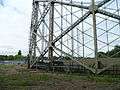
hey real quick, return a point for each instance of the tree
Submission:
(101, 54)
(19, 53)
(11, 57)
(114, 53)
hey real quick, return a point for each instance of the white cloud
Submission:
(14, 24)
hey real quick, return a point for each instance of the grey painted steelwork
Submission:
(108, 14)
(72, 4)
(33, 31)
(49, 40)
(51, 29)
(102, 3)
(71, 27)
(95, 32)
(47, 8)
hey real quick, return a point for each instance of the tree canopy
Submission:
(114, 53)
(18, 56)
(19, 52)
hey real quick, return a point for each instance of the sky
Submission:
(15, 16)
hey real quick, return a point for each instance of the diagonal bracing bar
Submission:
(64, 33)
(91, 69)
(77, 22)
(71, 27)
(47, 8)
(103, 3)
(51, 42)
(42, 55)
(108, 14)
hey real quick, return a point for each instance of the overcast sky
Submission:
(15, 17)
(14, 25)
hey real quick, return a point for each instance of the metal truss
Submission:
(51, 29)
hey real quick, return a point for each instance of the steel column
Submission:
(33, 32)
(51, 27)
(95, 32)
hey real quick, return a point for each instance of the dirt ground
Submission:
(20, 78)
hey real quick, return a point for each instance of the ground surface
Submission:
(17, 77)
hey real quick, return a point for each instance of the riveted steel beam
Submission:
(51, 27)
(108, 14)
(72, 4)
(103, 3)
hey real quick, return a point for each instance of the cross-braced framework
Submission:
(75, 31)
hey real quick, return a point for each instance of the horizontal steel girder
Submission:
(47, 8)
(108, 14)
(64, 3)
(72, 4)
(82, 6)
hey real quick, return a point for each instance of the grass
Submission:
(11, 75)
(22, 79)
(109, 79)
(106, 79)
(2, 66)
(19, 77)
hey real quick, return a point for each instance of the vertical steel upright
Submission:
(43, 30)
(95, 32)
(72, 41)
(51, 27)
(83, 33)
(61, 26)
(33, 32)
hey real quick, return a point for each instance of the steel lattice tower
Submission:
(75, 30)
